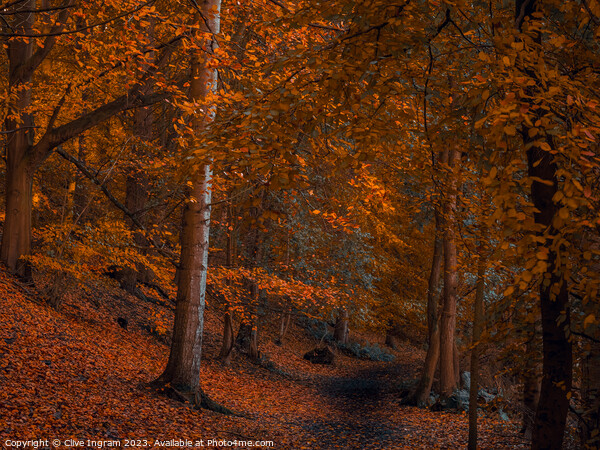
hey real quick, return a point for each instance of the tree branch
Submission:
(88, 174)
(77, 30)
(585, 336)
(33, 11)
(33, 62)
(56, 136)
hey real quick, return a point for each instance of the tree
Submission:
(553, 406)
(448, 361)
(183, 368)
(24, 154)
(478, 323)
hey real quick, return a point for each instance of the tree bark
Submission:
(478, 323)
(136, 194)
(448, 380)
(590, 396)
(340, 332)
(227, 346)
(228, 336)
(284, 324)
(16, 238)
(433, 319)
(183, 367)
(136, 184)
(553, 406)
(531, 380)
(557, 377)
(247, 338)
(456, 362)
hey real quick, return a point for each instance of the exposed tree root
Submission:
(203, 401)
(197, 400)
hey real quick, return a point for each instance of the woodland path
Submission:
(360, 407)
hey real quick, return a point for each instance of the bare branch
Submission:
(33, 11)
(78, 30)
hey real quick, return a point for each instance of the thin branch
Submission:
(327, 27)
(9, 4)
(463, 35)
(204, 19)
(78, 30)
(88, 174)
(58, 107)
(281, 5)
(24, 127)
(586, 336)
(33, 11)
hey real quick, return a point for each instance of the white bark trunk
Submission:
(183, 368)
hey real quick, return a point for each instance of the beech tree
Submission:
(553, 406)
(25, 153)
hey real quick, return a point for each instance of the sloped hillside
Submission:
(77, 374)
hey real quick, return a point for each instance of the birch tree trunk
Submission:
(183, 367)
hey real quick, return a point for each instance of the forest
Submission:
(300, 224)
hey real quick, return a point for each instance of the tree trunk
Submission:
(340, 332)
(227, 347)
(284, 324)
(247, 338)
(79, 188)
(456, 362)
(228, 337)
(590, 397)
(478, 323)
(16, 238)
(253, 351)
(136, 192)
(531, 381)
(433, 318)
(553, 406)
(448, 380)
(136, 184)
(253, 342)
(183, 367)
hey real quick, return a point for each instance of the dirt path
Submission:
(362, 410)
(358, 411)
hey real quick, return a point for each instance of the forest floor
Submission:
(76, 374)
